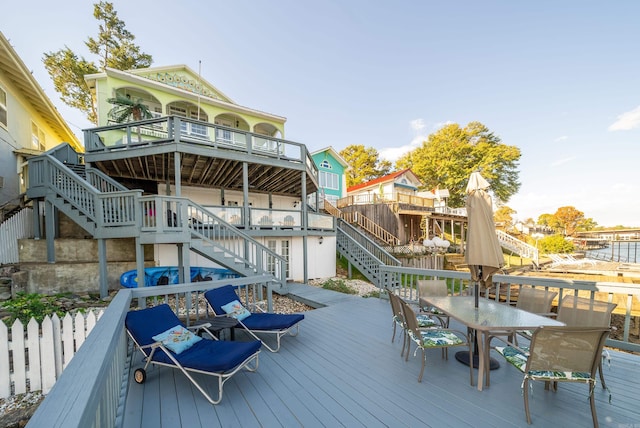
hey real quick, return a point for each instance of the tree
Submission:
(555, 244)
(587, 225)
(364, 164)
(504, 216)
(451, 154)
(124, 107)
(569, 218)
(113, 45)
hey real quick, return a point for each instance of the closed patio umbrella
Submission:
(483, 253)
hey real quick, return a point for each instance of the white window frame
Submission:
(3, 109)
(329, 180)
(38, 137)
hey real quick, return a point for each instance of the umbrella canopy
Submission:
(483, 254)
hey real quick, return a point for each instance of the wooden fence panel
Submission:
(18, 357)
(78, 332)
(48, 353)
(5, 369)
(57, 343)
(48, 348)
(67, 340)
(33, 346)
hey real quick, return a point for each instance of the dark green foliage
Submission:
(30, 305)
(339, 286)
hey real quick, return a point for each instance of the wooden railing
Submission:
(625, 295)
(181, 129)
(371, 227)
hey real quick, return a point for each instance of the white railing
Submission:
(18, 226)
(32, 360)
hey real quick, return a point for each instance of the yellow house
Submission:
(29, 125)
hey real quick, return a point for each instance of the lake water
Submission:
(621, 251)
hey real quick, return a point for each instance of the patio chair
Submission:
(224, 301)
(165, 341)
(559, 354)
(434, 288)
(432, 338)
(424, 320)
(530, 299)
(578, 311)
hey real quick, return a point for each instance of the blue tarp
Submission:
(163, 275)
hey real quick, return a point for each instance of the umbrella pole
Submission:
(463, 356)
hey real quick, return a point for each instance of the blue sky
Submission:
(558, 79)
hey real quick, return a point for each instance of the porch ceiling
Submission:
(210, 172)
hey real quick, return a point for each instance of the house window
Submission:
(3, 108)
(329, 180)
(271, 261)
(284, 252)
(38, 140)
(325, 164)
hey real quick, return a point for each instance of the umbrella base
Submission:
(463, 357)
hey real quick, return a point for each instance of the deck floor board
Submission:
(343, 370)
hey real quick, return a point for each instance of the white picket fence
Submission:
(19, 226)
(32, 360)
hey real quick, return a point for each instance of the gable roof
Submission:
(11, 65)
(385, 179)
(334, 154)
(189, 86)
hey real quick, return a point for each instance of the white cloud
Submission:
(559, 162)
(563, 138)
(417, 125)
(627, 121)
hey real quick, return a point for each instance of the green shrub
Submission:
(339, 286)
(30, 305)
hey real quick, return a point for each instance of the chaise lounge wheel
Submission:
(139, 375)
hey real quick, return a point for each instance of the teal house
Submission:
(331, 174)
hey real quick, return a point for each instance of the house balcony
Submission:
(325, 376)
(206, 156)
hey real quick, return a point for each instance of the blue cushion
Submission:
(146, 323)
(236, 310)
(177, 339)
(271, 321)
(220, 296)
(207, 355)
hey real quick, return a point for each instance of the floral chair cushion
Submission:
(518, 358)
(438, 338)
(425, 321)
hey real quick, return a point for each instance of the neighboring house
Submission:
(389, 187)
(332, 174)
(29, 125)
(395, 204)
(205, 181)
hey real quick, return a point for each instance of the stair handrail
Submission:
(227, 237)
(515, 244)
(110, 209)
(367, 243)
(103, 182)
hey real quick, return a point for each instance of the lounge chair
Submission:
(224, 301)
(559, 354)
(164, 340)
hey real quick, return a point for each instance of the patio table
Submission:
(488, 317)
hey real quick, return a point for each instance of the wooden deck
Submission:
(343, 370)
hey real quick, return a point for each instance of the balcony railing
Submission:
(180, 129)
